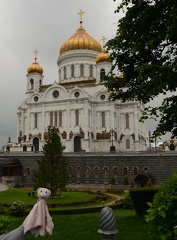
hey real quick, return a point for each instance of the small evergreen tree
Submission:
(52, 168)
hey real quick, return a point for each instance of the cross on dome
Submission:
(104, 40)
(81, 13)
(35, 54)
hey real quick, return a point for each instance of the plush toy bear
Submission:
(39, 221)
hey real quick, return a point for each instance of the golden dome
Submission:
(80, 40)
(35, 68)
(103, 56)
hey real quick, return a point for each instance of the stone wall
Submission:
(90, 169)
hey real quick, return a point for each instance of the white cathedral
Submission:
(77, 104)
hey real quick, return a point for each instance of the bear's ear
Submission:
(38, 189)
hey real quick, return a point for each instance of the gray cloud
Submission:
(43, 25)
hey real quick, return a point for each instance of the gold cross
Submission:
(35, 53)
(104, 40)
(80, 13)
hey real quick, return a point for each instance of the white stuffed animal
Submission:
(39, 221)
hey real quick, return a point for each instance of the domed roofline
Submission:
(80, 40)
(35, 67)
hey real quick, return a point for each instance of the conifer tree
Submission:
(52, 168)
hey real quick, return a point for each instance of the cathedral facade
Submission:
(77, 104)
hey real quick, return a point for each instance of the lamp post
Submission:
(149, 140)
(112, 147)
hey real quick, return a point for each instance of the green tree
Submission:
(163, 210)
(144, 51)
(52, 168)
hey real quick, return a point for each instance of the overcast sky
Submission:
(44, 25)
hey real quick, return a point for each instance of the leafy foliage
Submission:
(163, 210)
(18, 208)
(144, 50)
(52, 168)
(4, 222)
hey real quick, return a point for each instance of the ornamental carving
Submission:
(64, 135)
(103, 135)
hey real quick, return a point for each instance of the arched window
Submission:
(135, 171)
(125, 171)
(91, 70)
(27, 171)
(82, 70)
(87, 171)
(55, 119)
(78, 171)
(60, 119)
(96, 171)
(146, 169)
(31, 83)
(127, 125)
(77, 117)
(40, 82)
(115, 171)
(51, 119)
(35, 120)
(103, 119)
(127, 144)
(72, 71)
(105, 171)
(102, 73)
(64, 72)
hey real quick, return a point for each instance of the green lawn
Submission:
(85, 226)
(19, 194)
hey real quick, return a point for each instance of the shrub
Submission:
(141, 196)
(4, 222)
(163, 210)
(126, 181)
(128, 202)
(18, 208)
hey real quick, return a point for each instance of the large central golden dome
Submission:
(80, 40)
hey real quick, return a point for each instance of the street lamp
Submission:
(112, 147)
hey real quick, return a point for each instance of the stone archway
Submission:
(24, 148)
(36, 144)
(142, 179)
(77, 144)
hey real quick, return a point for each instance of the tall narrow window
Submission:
(40, 82)
(77, 117)
(115, 171)
(102, 73)
(82, 70)
(35, 120)
(127, 121)
(78, 171)
(72, 71)
(51, 119)
(135, 171)
(64, 72)
(31, 84)
(55, 119)
(127, 144)
(103, 119)
(96, 171)
(125, 171)
(60, 119)
(91, 70)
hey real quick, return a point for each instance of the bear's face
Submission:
(43, 193)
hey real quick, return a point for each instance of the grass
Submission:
(71, 198)
(85, 226)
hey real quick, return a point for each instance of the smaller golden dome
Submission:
(35, 68)
(103, 56)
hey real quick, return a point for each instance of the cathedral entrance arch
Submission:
(77, 143)
(24, 148)
(36, 144)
